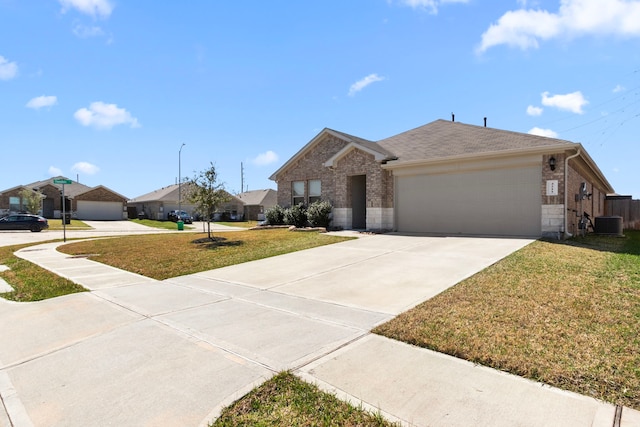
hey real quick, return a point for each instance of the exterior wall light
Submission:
(552, 163)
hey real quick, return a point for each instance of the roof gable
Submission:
(349, 139)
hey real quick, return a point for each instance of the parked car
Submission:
(24, 222)
(180, 215)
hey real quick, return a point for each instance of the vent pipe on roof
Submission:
(485, 122)
(453, 117)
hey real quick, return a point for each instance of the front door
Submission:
(359, 202)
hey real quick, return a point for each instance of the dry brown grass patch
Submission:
(565, 315)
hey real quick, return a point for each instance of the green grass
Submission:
(567, 314)
(164, 225)
(162, 256)
(243, 224)
(31, 282)
(285, 401)
(56, 224)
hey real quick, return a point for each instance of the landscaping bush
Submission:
(319, 213)
(275, 215)
(296, 215)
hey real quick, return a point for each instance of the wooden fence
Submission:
(625, 207)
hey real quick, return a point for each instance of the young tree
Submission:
(30, 200)
(207, 194)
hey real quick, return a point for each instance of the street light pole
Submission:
(180, 181)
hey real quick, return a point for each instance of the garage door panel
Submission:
(99, 211)
(500, 202)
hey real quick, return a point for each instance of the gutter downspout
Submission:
(566, 176)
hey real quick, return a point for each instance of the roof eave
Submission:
(397, 164)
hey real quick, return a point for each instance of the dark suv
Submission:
(24, 222)
(180, 215)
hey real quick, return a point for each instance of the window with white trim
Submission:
(297, 192)
(315, 190)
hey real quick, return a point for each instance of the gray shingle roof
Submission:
(443, 138)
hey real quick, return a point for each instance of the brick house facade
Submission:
(436, 177)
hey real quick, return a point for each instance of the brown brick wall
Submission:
(335, 182)
(310, 166)
(594, 206)
(379, 182)
(99, 194)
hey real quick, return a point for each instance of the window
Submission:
(315, 190)
(14, 204)
(297, 192)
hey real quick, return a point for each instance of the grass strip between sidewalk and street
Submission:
(566, 314)
(286, 400)
(30, 281)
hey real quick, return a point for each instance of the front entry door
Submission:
(359, 202)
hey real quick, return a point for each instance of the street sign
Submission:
(62, 181)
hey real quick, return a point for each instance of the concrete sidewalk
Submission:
(136, 351)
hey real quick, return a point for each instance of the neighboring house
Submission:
(157, 204)
(231, 210)
(448, 177)
(256, 202)
(83, 202)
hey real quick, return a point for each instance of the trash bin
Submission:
(67, 218)
(180, 225)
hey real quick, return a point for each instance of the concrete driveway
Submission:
(135, 351)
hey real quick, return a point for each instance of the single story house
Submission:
(81, 201)
(256, 202)
(157, 204)
(448, 177)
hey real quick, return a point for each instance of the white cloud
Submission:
(570, 102)
(265, 158)
(525, 28)
(8, 70)
(534, 111)
(619, 88)
(42, 101)
(84, 31)
(101, 8)
(86, 168)
(362, 83)
(543, 132)
(430, 5)
(105, 116)
(54, 171)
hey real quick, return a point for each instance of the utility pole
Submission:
(241, 177)
(180, 183)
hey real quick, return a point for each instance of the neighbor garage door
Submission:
(99, 211)
(493, 202)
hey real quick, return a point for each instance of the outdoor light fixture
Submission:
(552, 163)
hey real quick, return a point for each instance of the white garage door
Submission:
(99, 211)
(492, 202)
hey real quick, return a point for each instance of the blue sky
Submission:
(109, 90)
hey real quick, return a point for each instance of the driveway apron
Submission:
(136, 351)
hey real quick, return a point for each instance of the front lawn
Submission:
(566, 314)
(162, 256)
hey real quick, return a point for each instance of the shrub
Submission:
(296, 215)
(319, 213)
(275, 215)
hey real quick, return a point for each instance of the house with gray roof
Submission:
(158, 203)
(256, 202)
(448, 177)
(81, 201)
